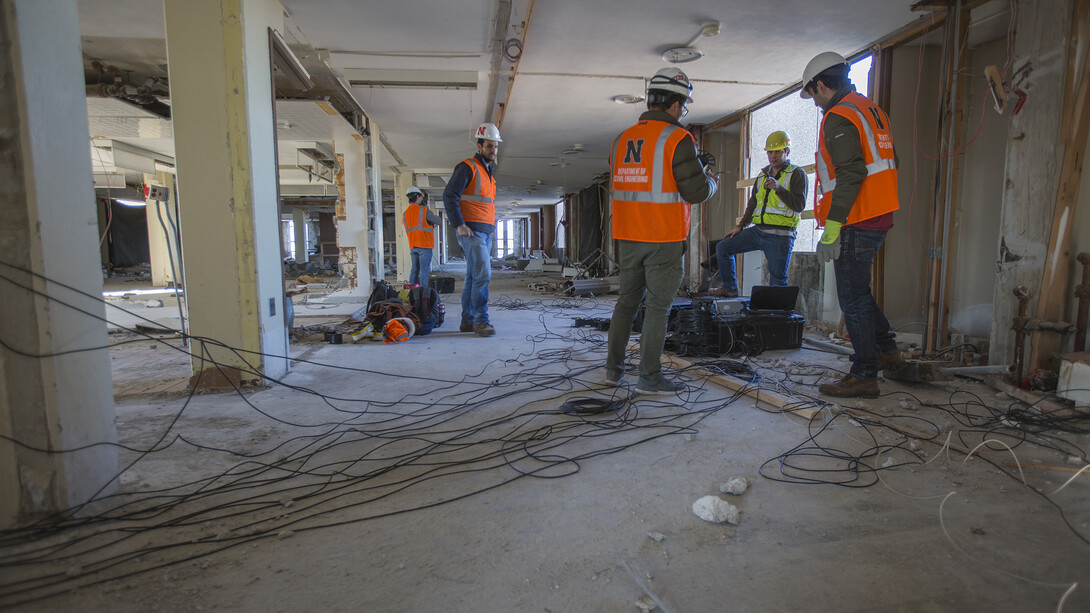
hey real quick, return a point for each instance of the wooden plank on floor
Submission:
(762, 397)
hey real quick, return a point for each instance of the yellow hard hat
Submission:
(777, 140)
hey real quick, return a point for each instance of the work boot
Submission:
(465, 326)
(722, 292)
(851, 387)
(484, 329)
(661, 386)
(891, 361)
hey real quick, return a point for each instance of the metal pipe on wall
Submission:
(1082, 292)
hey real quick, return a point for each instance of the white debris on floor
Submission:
(656, 536)
(735, 485)
(645, 604)
(716, 510)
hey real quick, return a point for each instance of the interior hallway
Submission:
(441, 474)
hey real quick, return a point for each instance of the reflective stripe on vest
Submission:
(647, 206)
(478, 202)
(773, 211)
(421, 233)
(878, 193)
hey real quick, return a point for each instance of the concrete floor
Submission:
(440, 475)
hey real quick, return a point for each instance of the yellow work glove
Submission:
(829, 246)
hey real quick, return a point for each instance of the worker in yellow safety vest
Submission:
(655, 176)
(856, 195)
(775, 208)
(419, 222)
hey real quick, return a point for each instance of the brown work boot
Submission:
(722, 292)
(851, 387)
(484, 329)
(465, 327)
(891, 361)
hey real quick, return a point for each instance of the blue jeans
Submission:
(777, 250)
(421, 265)
(868, 328)
(478, 251)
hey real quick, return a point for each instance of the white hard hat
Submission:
(672, 80)
(820, 63)
(414, 190)
(488, 131)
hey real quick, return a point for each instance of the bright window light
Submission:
(133, 203)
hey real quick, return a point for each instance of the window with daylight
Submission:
(801, 120)
(505, 238)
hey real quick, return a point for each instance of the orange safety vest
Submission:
(647, 206)
(878, 194)
(479, 197)
(421, 233)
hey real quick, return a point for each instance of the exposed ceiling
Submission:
(575, 56)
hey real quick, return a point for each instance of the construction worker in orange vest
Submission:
(655, 176)
(856, 193)
(470, 203)
(420, 224)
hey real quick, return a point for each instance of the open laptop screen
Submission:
(773, 298)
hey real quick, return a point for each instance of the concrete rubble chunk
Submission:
(736, 485)
(716, 510)
(645, 604)
(656, 536)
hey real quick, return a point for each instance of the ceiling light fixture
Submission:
(627, 99)
(687, 53)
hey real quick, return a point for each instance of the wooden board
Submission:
(763, 397)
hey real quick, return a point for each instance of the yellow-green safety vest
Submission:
(771, 211)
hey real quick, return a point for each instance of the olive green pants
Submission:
(657, 269)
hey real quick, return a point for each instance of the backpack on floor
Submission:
(380, 291)
(428, 308)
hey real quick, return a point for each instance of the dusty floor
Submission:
(442, 474)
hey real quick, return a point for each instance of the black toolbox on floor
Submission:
(752, 334)
(443, 285)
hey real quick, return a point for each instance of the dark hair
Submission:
(834, 78)
(659, 100)
(414, 198)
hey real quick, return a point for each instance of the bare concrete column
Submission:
(402, 182)
(299, 217)
(221, 96)
(162, 241)
(49, 230)
(352, 231)
(1031, 174)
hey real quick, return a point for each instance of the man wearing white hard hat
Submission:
(470, 202)
(419, 222)
(655, 176)
(856, 193)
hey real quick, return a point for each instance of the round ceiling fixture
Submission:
(682, 55)
(688, 53)
(627, 99)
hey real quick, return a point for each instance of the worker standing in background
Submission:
(420, 224)
(856, 197)
(775, 206)
(655, 176)
(470, 202)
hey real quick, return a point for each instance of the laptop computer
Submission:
(773, 299)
